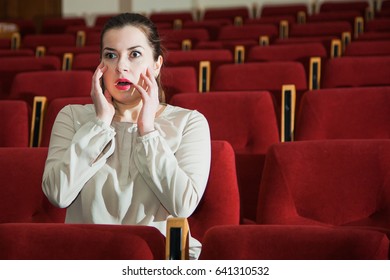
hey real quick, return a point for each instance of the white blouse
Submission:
(112, 175)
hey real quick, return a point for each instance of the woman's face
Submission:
(127, 54)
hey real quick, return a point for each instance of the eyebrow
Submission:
(129, 49)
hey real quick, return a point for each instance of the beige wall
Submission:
(90, 8)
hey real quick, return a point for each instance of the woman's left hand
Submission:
(149, 91)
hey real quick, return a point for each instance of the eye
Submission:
(110, 55)
(135, 54)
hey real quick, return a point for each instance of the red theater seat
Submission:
(22, 199)
(14, 125)
(333, 6)
(52, 111)
(256, 76)
(248, 122)
(230, 13)
(48, 241)
(356, 72)
(220, 204)
(368, 48)
(59, 25)
(11, 66)
(177, 80)
(327, 182)
(344, 113)
(51, 84)
(290, 242)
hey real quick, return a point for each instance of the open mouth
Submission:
(123, 84)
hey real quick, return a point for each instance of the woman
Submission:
(128, 158)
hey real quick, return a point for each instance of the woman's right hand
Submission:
(103, 101)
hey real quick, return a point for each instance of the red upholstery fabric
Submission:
(21, 52)
(31, 41)
(344, 113)
(192, 58)
(256, 76)
(268, 10)
(368, 48)
(11, 66)
(356, 71)
(220, 204)
(335, 16)
(86, 61)
(287, 52)
(224, 13)
(177, 80)
(333, 28)
(337, 182)
(196, 35)
(52, 111)
(157, 17)
(378, 24)
(22, 199)
(37, 241)
(332, 6)
(248, 122)
(14, 125)
(51, 84)
(374, 35)
(248, 32)
(289, 242)
(59, 25)
(60, 50)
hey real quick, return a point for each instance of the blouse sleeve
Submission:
(178, 179)
(74, 156)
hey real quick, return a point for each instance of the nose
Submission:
(122, 65)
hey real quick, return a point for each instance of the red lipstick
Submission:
(123, 84)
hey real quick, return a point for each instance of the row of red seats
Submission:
(317, 200)
(204, 32)
(252, 125)
(227, 77)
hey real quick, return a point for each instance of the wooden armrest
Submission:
(288, 113)
(177, 239)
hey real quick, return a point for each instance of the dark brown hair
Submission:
(146, 26)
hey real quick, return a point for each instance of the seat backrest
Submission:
(287, 52)
(344, 113)
(195, 35)
(170, 17)
(247, 120)
(248, 32)
(59, 25)
(86, 61)
(258, 76)
(48, 241)
(192, 58)
(11, 66)
(14, 125)
(378, 24)
(51, 84)
(52, 111)
(368, 48)
(22, 199)
(332, 6)
(274, 242)
(310, 29)
(271, 10)
(226, 13)
(220, 203)
(31, 41)
(356, 72)
(177, 80)
(343, 182)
